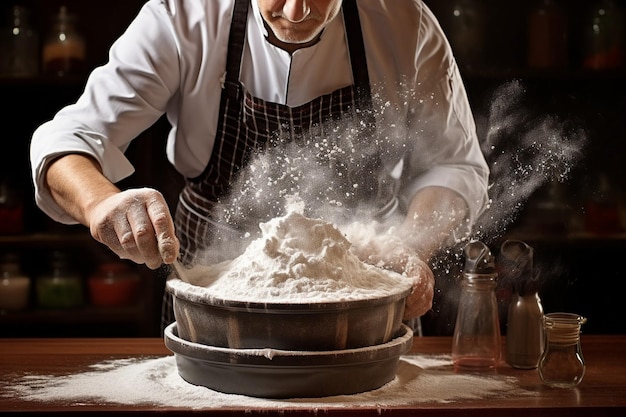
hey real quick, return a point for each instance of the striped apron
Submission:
(247, 124)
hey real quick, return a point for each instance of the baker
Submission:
(229, 74)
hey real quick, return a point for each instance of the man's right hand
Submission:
(135, 224)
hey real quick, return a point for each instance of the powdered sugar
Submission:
(155, 381)
(297, 259)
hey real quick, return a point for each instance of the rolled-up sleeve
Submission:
(121, 99)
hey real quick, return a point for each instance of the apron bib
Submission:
(247, 124)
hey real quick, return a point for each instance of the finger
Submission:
(115, 232)
(144, 236)
(167, 243)
(126, 240)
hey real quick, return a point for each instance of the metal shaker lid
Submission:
(478, 259)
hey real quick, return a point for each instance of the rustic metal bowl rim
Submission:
(176, 286)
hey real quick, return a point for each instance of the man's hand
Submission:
(403, 261)
(136, 225)
(387, 251)
(421, 298)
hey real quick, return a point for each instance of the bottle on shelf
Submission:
(19, 43)
(547, 36)
(11, 207)
(113, 284)
(14, 284)
(61, 286)
(603, 206)
(466, 32)
(604, 36)
(64, 49)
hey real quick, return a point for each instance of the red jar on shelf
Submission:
(11, 209)
(113, 284)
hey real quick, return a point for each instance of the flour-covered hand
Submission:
(136, 224)
(387, 251)
(421, 298)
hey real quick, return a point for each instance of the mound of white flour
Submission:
(296, 260)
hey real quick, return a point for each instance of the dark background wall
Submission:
(576, 225)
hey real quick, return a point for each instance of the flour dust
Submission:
(525, 151)
(333, 167)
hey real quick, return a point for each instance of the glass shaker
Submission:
(562, 364)
(64, 48)
(476, 339)
(524, 334)
(19, 44)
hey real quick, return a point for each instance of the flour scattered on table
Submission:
(155, 381)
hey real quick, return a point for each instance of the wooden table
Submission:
(602, 392)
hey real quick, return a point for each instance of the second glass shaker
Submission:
(524, 334)
(476, 339)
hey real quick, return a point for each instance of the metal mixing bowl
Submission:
(299, 326)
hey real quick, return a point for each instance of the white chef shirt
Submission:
(171, 60)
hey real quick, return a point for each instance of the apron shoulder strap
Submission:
(236, 39)
(357, 54)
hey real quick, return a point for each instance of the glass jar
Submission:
(64, 48)
(603, 36)
(14, 284)
(476, 339)
(547, 36)
(11, 207)
(562, 364)
(19, 44)
(466, 32)
(62, 286)
(113, 284)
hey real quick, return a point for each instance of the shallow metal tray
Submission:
(273, 373)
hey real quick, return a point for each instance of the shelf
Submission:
(569, 239)
(42, 81)
(82, 314)
(43, 239)
(559, 75)
(134, 320)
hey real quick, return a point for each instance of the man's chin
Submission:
(300, 33)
